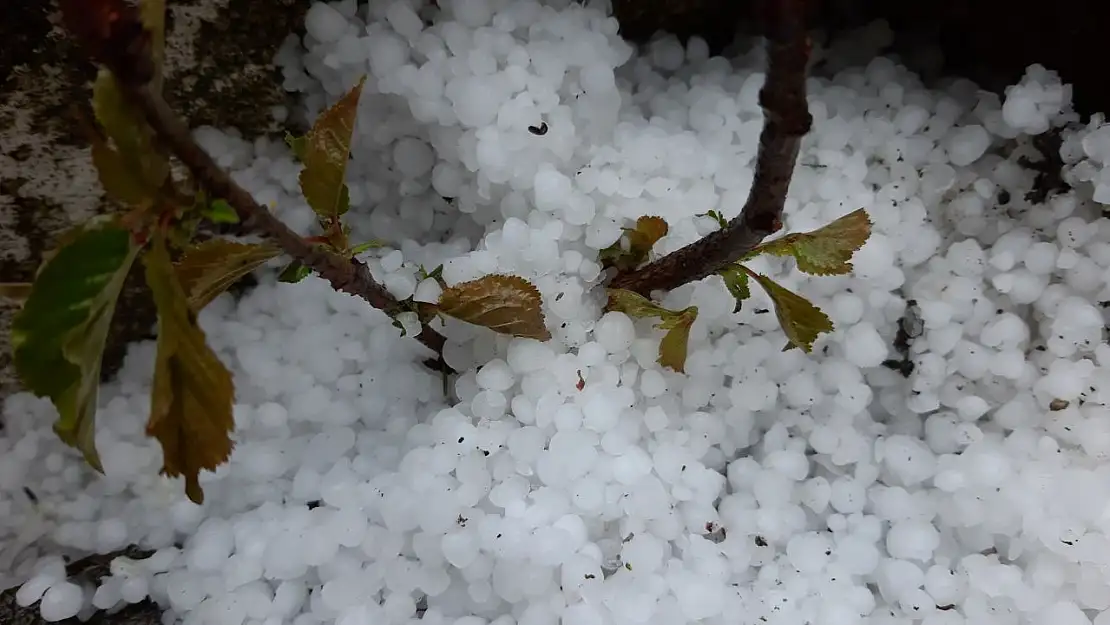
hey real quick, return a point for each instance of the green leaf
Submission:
(296, 146)
(641, 239)
(717, 217)
(505, 304)
(674, 345)
(210, 268)
(363, 247)
(58, 337)
(736, 280)
(435, 274)
(326, 151)
(800, 320)
(294, 272)
(192, 396)
(400, 326)
(826, 251)
(220, 212)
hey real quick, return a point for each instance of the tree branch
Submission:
(112, 33)
(786, 121)
(347, 275)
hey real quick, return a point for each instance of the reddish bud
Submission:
(112, 33)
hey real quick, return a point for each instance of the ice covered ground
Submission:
(762, 488)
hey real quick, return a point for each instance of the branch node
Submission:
(786, 120)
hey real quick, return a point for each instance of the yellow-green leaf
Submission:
(220, 212)
(58, 336)
(825, 251)
(114, 115)
(131, 136)
(120, 182)
(800, 319)
(296, 145)
(192, 396)
(504, 304)
(15, 291)
(364, 247)
(635, 305)
(674, 345)
(326, 149)
(294, 272)
(736, 281)
(210, 268)
(641, 239)
(648, 230)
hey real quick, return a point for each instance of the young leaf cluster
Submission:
(634, 246)
(826, 251)
(59, 334)
(675, 323)
(325, 152)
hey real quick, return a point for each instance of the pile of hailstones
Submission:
(965, 481)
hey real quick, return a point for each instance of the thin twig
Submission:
(112, 33)
(347, 275)
(786, 121)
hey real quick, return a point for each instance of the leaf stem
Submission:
(347, 275)
(786, 120)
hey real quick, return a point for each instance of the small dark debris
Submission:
(461, 520)
(1049, 170)
(715, 533)
(1068, 542)
(1003, 197)
(485, 452)
(909, 328)
(31, 495)
(540, 130)
(590, 576)
(946, 607)
(628, 566)
(760, 541)
(903, 366)
(581, 383)
(1057, 405)
(462, 438)
(312, 505)
(761, 311)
